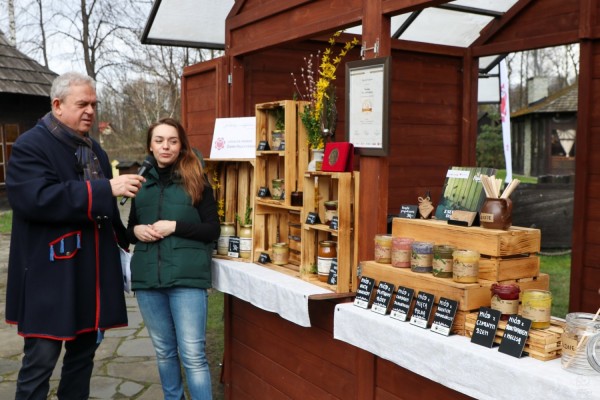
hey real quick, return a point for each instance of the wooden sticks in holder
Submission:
(492, 186)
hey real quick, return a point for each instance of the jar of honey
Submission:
(505, 298)
(326, 253)
(442, 261)
(465, 267)
(383, 249)
(281, 253)
(537, 306)
(421, 258)
(401, 251)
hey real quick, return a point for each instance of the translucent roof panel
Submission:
(439, 26)
(194, 23)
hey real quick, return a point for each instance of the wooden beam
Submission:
(373, 192)
(469, 110)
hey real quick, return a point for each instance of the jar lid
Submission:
(327, 243)
(280, 244)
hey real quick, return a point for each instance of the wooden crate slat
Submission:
(492, 242)
(503, 269)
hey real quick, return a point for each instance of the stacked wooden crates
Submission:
(277, 221)
(506, 257)
(280, 221)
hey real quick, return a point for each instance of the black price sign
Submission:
(383, 297)
(422, 311)
(515, 336)
(313, 218)
(234, 246)
(409, 212)
(401, 305)
(485, 327)
(282, 146)
(263, 145)
(332, 278)
(333, 224)
(263, 191)
(264, 258)
(444, 316)
(363, 293)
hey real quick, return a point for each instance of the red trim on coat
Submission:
(67, 338)
(97, 254)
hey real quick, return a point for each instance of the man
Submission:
(64, 274)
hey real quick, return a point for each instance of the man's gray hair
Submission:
(62, 84)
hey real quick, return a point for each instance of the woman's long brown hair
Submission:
(187, 165)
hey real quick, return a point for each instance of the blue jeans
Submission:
(176, 321)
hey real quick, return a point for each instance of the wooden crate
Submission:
(320, 187)
(541, 344)
(233, 184)
(470, 296)
(491, 242)
(505, 255)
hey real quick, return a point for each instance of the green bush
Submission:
(489, 149)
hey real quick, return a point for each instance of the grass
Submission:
(559, 269)
(215, 341)
(501, 173)
(5, 221)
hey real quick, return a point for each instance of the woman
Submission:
(173, 223)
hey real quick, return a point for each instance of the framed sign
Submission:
(367, 105)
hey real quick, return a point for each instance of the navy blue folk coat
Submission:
(64, 271)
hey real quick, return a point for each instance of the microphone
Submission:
(147, 165)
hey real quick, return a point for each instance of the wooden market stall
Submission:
(433, 125)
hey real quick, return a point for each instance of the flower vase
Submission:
(316, 160)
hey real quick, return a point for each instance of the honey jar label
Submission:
(442, 264)
(421, 260)
(505, 306)
(400, 256)
(535, 314)
(569, 344)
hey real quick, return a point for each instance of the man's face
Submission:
(78, 109)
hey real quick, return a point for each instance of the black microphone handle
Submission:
(146, 166)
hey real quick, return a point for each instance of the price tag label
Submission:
(263, 145)
(332, 277)
(313, 218)
(485, 327)
(282, 146)
(444, 316)
(401, 305)
(422, 311)
(264, 258)
(234, 247)
(409, 212)
(333, 224)
(515, 336)
(363, 293)
(383, 297)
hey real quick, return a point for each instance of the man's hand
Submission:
(126, 185)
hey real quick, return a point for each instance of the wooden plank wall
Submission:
(425, 127)
(271, 358)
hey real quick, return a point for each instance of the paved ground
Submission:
(125, 366)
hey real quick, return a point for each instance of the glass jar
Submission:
(401, 250)
(281, 253)
(442, 261)
(537, 306)
(277, 189)
(383, 249)
(331, 210)
(465, 268)
(227, 231)
(505, 298)
(327, 251)
(421, 258)
(245, 241)
(581, 344)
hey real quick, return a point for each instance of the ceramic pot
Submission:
(317, 160)
(496, 213)
(245, 235)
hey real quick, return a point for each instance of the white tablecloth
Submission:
(457, 363)
(265, 288)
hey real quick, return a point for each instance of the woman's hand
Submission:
(164, 228)
(146, 233)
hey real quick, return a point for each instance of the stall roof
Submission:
(201, 23)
